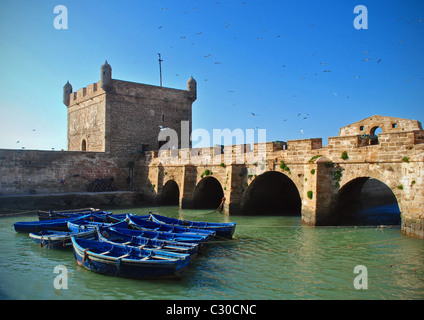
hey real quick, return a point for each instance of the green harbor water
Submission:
(270, 258)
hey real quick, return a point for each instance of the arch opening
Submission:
(84, 145)
(366, 201)
(208, 194)
(170, 195)
(374, 133)
(272, 193)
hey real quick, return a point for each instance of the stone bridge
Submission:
(327, 185)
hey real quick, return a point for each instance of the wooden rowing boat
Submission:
(108, 234)
(222, 229)
(127, 261)
(143, 224)
(54, 225)
(60, 239)
(160, 235)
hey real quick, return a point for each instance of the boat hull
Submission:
(142, 224)
(225, 230)
(86, 256)
(37, 226)
(59, 239)
(113, 236)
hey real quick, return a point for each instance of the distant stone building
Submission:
(122, 117)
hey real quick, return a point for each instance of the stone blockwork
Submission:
(319, 173)
(118, 122)
(87, 119)
(26, 172)
(123, 118)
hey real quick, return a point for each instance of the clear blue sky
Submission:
(260, 56)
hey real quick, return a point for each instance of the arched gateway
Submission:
(272, 193)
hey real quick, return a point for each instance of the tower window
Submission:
(84, 145)
(361, 128)
(394, 125)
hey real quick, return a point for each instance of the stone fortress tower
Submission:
(122, 117)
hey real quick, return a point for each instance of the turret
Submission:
(67, 90)
(192, 89)
(106, 76)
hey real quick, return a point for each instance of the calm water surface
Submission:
(269, 258)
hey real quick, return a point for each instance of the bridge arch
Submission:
(170, 194)
(272, 193)
(366, 201)
(208, 194)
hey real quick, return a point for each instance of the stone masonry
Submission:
(113, 129)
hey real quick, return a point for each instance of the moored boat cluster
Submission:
(125, 245)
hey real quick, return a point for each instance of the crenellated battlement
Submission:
(85, 93)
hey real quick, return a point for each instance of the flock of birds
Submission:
(366, 58)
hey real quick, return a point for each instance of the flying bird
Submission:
(254, 114)
(301, 130)
(379, 60)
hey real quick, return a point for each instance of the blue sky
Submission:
(260, 56)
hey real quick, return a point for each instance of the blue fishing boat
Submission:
(54, 225)
(85, 225)
(160, 235)
(222, 229)
(61, 214)
(122, 216)
(136, 222)
(60, 239)
(126, 261)
(107, 234)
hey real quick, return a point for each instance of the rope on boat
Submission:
(85, 258)
(373, 242)
(15, 213)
